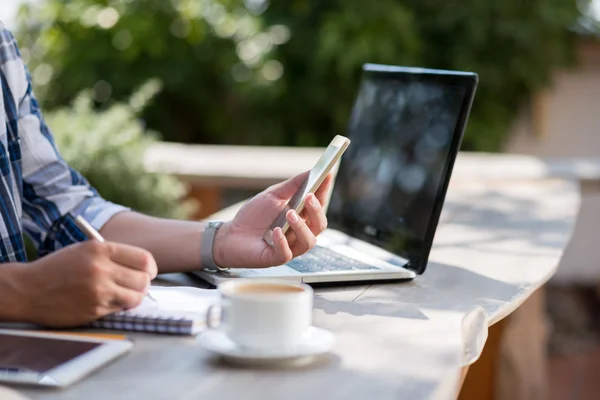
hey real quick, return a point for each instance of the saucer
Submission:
(315, 341)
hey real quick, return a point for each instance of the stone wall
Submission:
(564, 121)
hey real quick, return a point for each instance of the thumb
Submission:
(286, 189)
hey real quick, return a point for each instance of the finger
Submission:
(290, 237)
(286, 189)
(281, 249)
(133, 257)
(315, 214)
(322, 193)
(131, 278)
(305, 240)
(127, 298)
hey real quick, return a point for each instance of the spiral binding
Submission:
(124, 321)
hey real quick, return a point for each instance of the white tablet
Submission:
(44, 359)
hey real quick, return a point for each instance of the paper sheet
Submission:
(180, 301)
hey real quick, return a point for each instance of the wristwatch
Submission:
(206, 249)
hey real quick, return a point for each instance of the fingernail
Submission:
(293, 216)
(278, 233)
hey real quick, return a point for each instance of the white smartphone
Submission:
(317, 175)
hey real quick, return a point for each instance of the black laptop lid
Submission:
(406, 128)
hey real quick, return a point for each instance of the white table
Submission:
(498, 241)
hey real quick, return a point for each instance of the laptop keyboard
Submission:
(322, 259)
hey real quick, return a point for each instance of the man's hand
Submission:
(239, 243)
(85, 281)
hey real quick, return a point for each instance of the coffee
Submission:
(263, 288)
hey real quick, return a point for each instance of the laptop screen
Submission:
(405, 128)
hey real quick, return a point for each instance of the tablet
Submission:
(46, 359)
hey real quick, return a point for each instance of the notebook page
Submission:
(179, 301)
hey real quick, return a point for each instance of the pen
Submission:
(88, 334)
(92, 233)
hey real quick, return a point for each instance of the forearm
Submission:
(13, 299)
(174, 244)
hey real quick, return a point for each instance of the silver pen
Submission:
(92, 233)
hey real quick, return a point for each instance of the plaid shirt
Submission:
(39, 193)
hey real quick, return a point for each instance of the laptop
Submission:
(406, 128)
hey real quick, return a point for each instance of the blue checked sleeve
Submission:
(53, 193)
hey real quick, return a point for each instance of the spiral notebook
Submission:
(179, 310)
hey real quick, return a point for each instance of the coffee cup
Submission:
(263, 314)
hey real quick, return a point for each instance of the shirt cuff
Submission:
(97, 211)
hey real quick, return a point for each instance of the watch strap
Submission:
(206, 248)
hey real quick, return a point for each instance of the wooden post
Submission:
(522, 369)
(479, 378)
(540, 113)
(513, 364)
(209, 199)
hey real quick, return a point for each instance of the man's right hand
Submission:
(85, 281)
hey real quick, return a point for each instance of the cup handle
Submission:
(209, 314)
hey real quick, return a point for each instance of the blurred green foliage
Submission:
(107, 147)
(286, 72)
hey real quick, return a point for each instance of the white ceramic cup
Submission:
(263, 314)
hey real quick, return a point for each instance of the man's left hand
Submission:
(239, 243)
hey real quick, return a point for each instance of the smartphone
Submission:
(316, 176)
